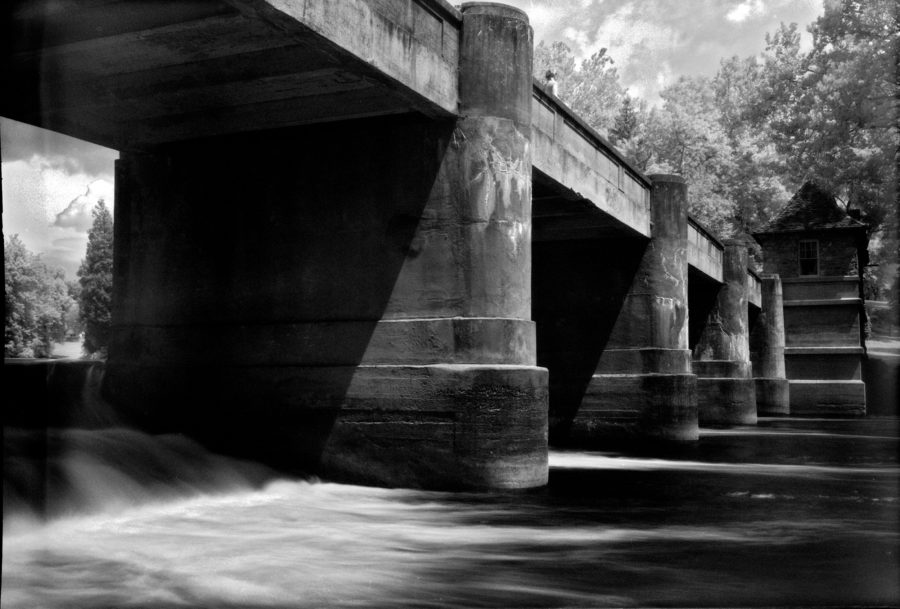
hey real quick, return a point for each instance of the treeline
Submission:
(750, 136)
(42, 307)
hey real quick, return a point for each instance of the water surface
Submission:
(786, 513)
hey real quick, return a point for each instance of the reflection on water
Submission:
(794, 512)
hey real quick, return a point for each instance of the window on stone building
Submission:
(808, 255)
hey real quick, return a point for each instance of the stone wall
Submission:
(837, 253)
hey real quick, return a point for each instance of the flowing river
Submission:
(791, 512)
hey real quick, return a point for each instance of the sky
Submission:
(653, 42)
(51, 182)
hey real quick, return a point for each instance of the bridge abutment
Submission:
(725, 387)
(643, 385)
(353, 300)
(767, 352)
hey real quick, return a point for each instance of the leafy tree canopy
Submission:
(591, 88)
(37, 302)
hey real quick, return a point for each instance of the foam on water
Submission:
(140, 521)
(606, 461)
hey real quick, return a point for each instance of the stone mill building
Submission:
(819, 250)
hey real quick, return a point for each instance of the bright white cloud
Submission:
(78, 215)
(578, 37)
(745, 10)
(36, 194)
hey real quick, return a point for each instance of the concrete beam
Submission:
(584, 165)
(704, 251)
(128, 77)
(754, 289)
(414, 42)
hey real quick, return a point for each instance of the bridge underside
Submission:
(128, 74)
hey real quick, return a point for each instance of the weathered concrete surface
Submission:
(754, 289)
(725, 389)
(642, 384)
(881, 373)
(573, 156)
(837, 363)
(823, 323)
(767, 351)
(821, 288)
(704, 251)
(828, 398)
(127, 73)
(352, 300)
(438, 426)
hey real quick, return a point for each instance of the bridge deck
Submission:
(126, 74)
(573, 159)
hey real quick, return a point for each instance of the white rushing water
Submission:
(139, 521)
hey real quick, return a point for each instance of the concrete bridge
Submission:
(355, 236)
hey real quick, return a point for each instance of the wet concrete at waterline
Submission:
(792, 512)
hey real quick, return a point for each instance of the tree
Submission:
(37, 302)
(832, 113)
(628, 132)
(95, 277)
(592, 89)
(687, 138)
(74, 325)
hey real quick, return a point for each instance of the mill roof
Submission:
(811, 208)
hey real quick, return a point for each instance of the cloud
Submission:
(35, 195)
(22, 142)
(66, 253)
(79, 213)
(745, 10)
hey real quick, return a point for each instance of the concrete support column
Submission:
(725, 390)
(352, 298)
(643, 384)
(767, 352)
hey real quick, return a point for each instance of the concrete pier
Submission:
(767, 352)
(352, 299)
(725, 388)
(643, 385)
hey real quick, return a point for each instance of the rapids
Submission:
(790, 512)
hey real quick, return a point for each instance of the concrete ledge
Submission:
(647, 361)
(617, 407)
(822, 279)
(828, 366)
(726, 401)
(823, 351)
(772, 396)
(440, 427)
(828, 398)
(721, 369)
(823, 302)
